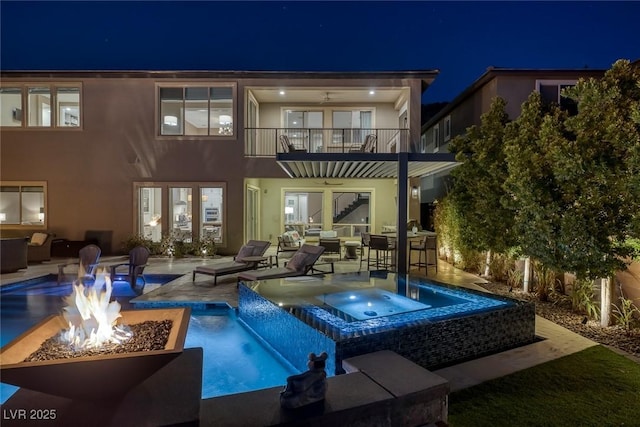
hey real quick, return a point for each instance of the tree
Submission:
(477, 187)
(574, 181)
(532, 192)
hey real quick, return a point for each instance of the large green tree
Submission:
(573, 182)
(531, 190)
(604, 167)
(477, 187)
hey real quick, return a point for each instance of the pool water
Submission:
(368, 303)
(234, 359)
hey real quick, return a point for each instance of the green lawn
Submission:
(595, 387)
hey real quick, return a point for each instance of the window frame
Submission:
(326, 210)
(54, 103)
(447, 128)
(353, 227)
(165, 220)
(159, 121)
(556, 83)
(289, 218)
(20, 226)
(436, 137)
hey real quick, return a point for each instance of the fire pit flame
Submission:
(92, 317)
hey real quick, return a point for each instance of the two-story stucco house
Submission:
(199, 153)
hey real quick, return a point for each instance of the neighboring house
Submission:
(201, 153)
(514, 86)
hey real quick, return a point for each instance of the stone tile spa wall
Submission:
(431, 342)
(289, 336)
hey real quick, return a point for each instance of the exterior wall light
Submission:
(414, 192)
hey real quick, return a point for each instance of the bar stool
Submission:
(427, 246)
(366, 237)
(385, 252)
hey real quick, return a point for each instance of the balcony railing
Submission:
(265, 142)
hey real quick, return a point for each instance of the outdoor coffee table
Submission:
(350, 248)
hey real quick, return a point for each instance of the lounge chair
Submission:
(130, 271)
(254, 249)
(88, 258)
(288, 147)
(301, 263)
(368, 146)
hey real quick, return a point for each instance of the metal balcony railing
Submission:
(265, 142)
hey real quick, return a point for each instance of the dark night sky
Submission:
(461, 39)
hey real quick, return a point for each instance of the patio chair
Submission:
(288, 243)
(366, 239)
(385, 251)
(368, 146)
(429, 247)
(331, 246)
(132, 270)
(248, 258)
(288, 147)
(39, 247)
(87, 263)
(300, 264)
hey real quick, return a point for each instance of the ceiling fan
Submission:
(330, 183)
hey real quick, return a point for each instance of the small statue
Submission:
(308, 387)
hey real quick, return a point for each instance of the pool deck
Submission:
(556, 341)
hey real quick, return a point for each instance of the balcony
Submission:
(336, 153)
(266, 142)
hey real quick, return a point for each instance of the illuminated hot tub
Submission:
(368, 304)
(351, 314)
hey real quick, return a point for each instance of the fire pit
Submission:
(91, 377)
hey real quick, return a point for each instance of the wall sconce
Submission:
(3, 216)
(414, 192)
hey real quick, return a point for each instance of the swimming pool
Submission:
(234, 359)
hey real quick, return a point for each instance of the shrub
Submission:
(172, 244)
(137, 240)
(624, 314)
(470, 260)
(545, 281)
(515, 277)
(582, 299)
(499, 267)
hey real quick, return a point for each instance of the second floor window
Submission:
(40, 106)
(551, 92)
(436, 137)
(447, 128)
(196, 110)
